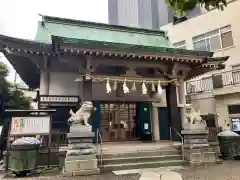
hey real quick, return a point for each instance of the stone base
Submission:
(77, 157)
(200, 156)
(79, 165)
(192, 127)
(80, 128)
(82, 172)
(197, 150)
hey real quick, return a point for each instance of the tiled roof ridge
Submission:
(55, 19)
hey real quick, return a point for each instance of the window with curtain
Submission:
(180, 45)
(214, 40)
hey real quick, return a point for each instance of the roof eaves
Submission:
(203, 54)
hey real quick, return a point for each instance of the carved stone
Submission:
(197, 150)
(192, 116)
(81, 155)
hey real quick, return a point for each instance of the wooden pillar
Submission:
(87, 80)
(182, 101)
(45, 77)
(87, 89)
(156, 133)
(44, 82)
(174, 114)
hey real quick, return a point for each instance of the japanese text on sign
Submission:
(30, 125)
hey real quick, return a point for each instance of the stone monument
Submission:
(81, 157)
(197, 150)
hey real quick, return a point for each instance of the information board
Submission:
(30, 125)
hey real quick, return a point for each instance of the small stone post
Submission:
(81, 157)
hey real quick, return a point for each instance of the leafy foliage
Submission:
(182, 6)
(11, 97)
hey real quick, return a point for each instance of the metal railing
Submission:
(99, 142)
(214, 81)
(182, 140)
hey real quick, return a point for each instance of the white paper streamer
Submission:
(153, 87)
(159, 88)
(134, 86)
(125, 88)
(115, 86)
(144, 88)
(108, 87)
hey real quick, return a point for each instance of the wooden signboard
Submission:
(30, 126)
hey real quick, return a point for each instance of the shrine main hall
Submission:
(133, 76)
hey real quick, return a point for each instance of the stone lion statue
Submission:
(192, 116)
(82, 115)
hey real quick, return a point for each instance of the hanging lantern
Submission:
(115, 85)
(125, 88)
(108, 87)
(134, 86)
(153, 87)
(159, 88)
(144, 88)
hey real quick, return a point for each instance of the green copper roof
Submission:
(132, 48)
(53, 26)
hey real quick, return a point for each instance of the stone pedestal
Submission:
(197, 150)
(80, 158)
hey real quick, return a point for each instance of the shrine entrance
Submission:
(118, 122)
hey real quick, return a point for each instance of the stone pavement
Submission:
(229, 170)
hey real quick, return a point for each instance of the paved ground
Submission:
(229, 170)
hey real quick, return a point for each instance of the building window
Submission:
(214, 40)
(180, 45)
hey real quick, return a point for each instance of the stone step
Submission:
(123, 154)
(141, 165)
(126, 160)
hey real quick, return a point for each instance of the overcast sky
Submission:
(18, 18)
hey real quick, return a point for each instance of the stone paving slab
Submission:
(228, 170)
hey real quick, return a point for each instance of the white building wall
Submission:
(209, 102)
(207, 22)
(222, 103)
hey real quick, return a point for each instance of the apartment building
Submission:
(215, 94)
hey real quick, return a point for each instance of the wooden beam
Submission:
(129, 63)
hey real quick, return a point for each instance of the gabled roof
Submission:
(54, 26)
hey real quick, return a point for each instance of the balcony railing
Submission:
(215, 81)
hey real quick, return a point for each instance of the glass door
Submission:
(118, 121)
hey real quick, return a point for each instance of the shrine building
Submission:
(133, 76)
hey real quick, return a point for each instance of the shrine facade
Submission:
(133, 76)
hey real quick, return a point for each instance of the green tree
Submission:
(182, 6)
(11, 97)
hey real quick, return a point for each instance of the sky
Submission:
(18, 18)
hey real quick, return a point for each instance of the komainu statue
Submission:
(192, 116)
(82, 115)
